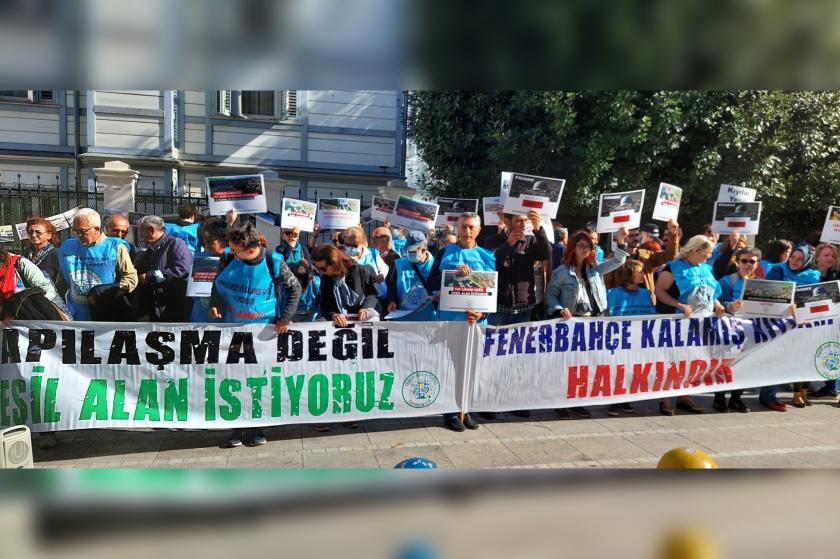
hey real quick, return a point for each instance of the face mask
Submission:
(395, 233)
(413, 257)
(352, 252)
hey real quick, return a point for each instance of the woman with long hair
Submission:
(826, 259)
(778, 251)
(42, 243)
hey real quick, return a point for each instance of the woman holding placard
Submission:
(826, 263)
(799, 269)
(725, 264)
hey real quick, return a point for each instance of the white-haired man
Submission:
(96, 269)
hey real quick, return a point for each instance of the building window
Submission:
(30, 95)
(258, 103)
(281, 105)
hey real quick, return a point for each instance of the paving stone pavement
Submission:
(798, 438)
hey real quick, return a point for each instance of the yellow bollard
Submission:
(689, 544)
(686, 459)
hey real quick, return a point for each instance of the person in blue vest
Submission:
(778, 251)
(687, 286)
(187, 227)
(400, 241)
(465, 256)
(118, 226)
(249, 288)
(96, 271)
(310, 284)
(731, 287)
(291, 249)
(629, 299)
(408, 287)
(214, 239)
(799, 269)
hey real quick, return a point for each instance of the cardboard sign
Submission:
(667, 205)
(412, 213)
(298, 213)
(736, 217)
(818, 300)
(7, 234)
(831, 229)
(382, 208)
(767, 298)
(200, 282)
(490, 206)
(450, 209)
(531, 193)
(504, 190)
(620, 209)
(473, 292)
(733, 193)
(244, 193)
(338, 213)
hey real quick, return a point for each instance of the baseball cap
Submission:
(651, 229)
(414, 240)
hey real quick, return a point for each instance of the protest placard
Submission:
(244, 193)
(504, 190)
(620, 209)
(831, 229)
(338, 213)
(734, 193)
(767, 298)
(414, 214)
(298, 213)
(667, 206)
(818, 300)
(450, 209)
(200, 282)
(7, 234)
(492, 205)
(531, 193)
(472, 292)
(382, 208)
(20, 228)
(736, 217)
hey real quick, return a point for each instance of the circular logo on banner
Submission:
(420, 389)
(82, 281)
(827, 360)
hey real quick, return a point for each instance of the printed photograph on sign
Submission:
(504, 189)
(7, 234)
(734, 193)
(528, 192)
(831, 229)
(338, 213)
(667, 205)
(491, 206)
(620, 209)
(244, 193)
(382, 208)
(298, 213)
(200, 282)
(414, 214)
(736, 217)
(767, 297)
(454, 207)
(471, 292)
(20, 228)
(819, 300)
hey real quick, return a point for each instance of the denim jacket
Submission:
(563, 287)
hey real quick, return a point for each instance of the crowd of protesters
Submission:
(98, 275)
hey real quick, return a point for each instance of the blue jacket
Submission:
(563, 286)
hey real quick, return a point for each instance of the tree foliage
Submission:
(785, 144)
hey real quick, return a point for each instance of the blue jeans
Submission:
(767, 394)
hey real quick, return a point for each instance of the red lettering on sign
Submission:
(819, 308)
(621, 219)
(736, 224)
(578, 381)
(532, 204)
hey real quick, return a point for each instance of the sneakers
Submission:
(250, 437)
(627, 408)
(257, 438)
(614, 410)
(235, 438)
(738, 405)
(451, 421)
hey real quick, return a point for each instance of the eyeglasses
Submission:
(748, 261)
(35, 233)
(290, 234)
(79, 232)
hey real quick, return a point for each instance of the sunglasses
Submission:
(35, 233)
(748, 261)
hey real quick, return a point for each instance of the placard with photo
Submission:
(491, 205)
(338, 213)
(667, 206)
(244, 193)
(471, 292)
(735, 193)
(767, 297)
(382, 208)
(620, 209)
(818, 300)
(454, 207)
(532, 193)
(831, 229)
(200, 282)
(736, 217)
(7, 234)
(298, 213)
(412, 213)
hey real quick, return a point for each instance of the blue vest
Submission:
(411, 295)
(478, 259)
(84, 267)
(715, 254)
(766, 266)
(806, 277)
(248, 290)
(697, 284)
(599, 254)
(731, 290)
(308, 308)
(623, 302)
(399, 247)
(187, 233)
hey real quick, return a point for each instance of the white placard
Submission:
(414, 214)
(338, 213)
(736, 217)
(298, 213)
(382, 208)
(818, 300)
(200, 282)
(245, 193)
(21, 231)
(667, 206)
(734, 193)
(492, 205)
(504, 190)
(620, 209)
(70, 214)
(532, 193)
(831, 229)
(472, 292)
(450, 209)
(59, 222)
(7, 234)
(767, 298)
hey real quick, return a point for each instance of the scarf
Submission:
(8, 276)
(292, 255)
(345, 298)
(38, 257)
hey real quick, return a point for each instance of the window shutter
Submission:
(176, 129)
(46, 95)
(223, 102)
(290, 104)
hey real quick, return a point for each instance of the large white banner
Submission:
(59, 375)
(581, 362)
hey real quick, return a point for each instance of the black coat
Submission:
(360, 280)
